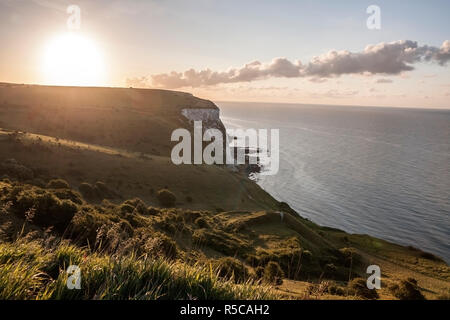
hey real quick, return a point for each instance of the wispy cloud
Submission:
(384, 80)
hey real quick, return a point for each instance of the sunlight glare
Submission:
(73, 60)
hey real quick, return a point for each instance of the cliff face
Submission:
(210, 117)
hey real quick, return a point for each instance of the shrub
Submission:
(152, 211)
(191, 216)
(358, 287)
(231, 268)
(273, 273)
(166, 198)
(138, 205)
(350, 257)
(88, 191)
(259, 272)
(125, 208)
(201, 222)
(336, 290)
(68, 194)
(58, 184)
(163, 245)
(12, 168)
(406, 290)
(330, 268)
(47, 209)
(103, 191)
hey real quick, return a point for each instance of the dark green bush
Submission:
(48, 209)
(335, 289)
(166, 198)
(259, 272)
(358, 287)
(273, 273)
(406, 290)
(12, 168)
(166, 246)
(152, 211)
(139, 205)
(231, 268)
(201, 222)
(58, 184)
(349, 256)
(68, 194)
(88, 191)
(125, 208)
(103, 191)
(191, 216)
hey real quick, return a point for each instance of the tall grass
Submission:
(32, 270)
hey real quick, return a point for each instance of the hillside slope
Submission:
(115, 143)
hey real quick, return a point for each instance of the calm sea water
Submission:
(378, 171)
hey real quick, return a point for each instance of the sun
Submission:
(72, 59)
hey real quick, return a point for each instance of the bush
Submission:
(88, 191)
(152, 211)
(358, 287)
(273, 273)
(125, 208)
(259, 272)
(201, 222)
(46, 208)
(58, 184)
(12, 168)
(166, 198)
(350, 257)
(231, 268)
(103, 191)
(336, 290)
(68, 194)
(406, 290)
(138, 205)
(163, 245)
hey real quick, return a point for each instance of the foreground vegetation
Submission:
(37, 270)
(130, 250)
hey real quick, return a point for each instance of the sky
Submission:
(290, 51)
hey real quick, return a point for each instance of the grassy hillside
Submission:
(66, 198)
(132, 119)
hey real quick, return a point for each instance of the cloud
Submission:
(391, 58)
(138, 82)
(279, 67)
(384, 81)
(333, 93)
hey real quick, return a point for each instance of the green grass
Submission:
(129, 250)
(27, 271)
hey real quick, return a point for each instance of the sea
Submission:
(379, 171)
